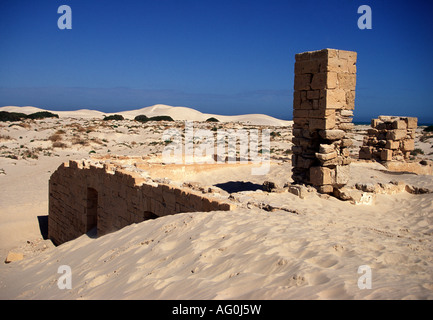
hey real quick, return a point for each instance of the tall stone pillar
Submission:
(323, 103)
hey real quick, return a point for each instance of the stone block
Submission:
(307, 66)
(320, 176)
(321, 113)
(302, 81)
(326, 156)
(396, 134)
(407, 145)
(318, 81)
(386, 155)
(347, 81)
(412, 122)
(322, 124)
(347, 55)
(350, 100)
(335, 99)
(326, 148)
(332, 134)
(375, 123)
(337, 65)
(366, 153)
(325, 188)
(332, 80)
(346, 126)
(391, 144)
(399, 124)
(346, 142)
(342, 175)
(300, 113)
(14, 256)
(346, 113)
(313, 94)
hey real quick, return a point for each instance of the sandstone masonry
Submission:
(390, 138)
(323, 103)
(84, 195)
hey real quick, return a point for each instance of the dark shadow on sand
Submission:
(238, 186)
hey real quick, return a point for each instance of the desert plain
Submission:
(276, 244)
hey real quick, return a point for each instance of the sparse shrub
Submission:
(59, 144)
(212, 119)
(141, 118)
(4, 137)
(288, 151)
(80, 141)
(275, 134)
(416, 152)
(55, 137)
(12, 116)
(428, 129)
(114, 117)
(161, 118)
(42, 115)
(17, 116)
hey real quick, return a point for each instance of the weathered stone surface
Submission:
(83, 196)
(386, 155)
(321, 175)
(342, 175)
(14, 256)
(326, 156)
(332, 134)
(408, 145)
(323, 101)
(399, 136)
(396, 134)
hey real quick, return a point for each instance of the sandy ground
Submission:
(308, 248)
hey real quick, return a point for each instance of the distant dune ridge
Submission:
(177, 113)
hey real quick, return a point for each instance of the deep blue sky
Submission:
(219, 56)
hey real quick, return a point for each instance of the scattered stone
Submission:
(14, 256)
(355, 196)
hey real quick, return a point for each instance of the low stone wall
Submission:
(390, 138)
(84, 195)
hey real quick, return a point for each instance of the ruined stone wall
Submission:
(323, 103)
(83, 196)
(390, 138)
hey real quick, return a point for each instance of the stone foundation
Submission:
(85, 194)
(323, 103)
(389, 139)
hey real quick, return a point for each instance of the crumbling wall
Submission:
(390, 138)
(83, 196)
(323, 103)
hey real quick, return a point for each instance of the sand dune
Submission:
(177, 113)
(244, 254)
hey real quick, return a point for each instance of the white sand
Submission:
(177, 113)
(310, 249)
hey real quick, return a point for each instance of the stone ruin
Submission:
(113, 193)
(323, 103)
(389, 139)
